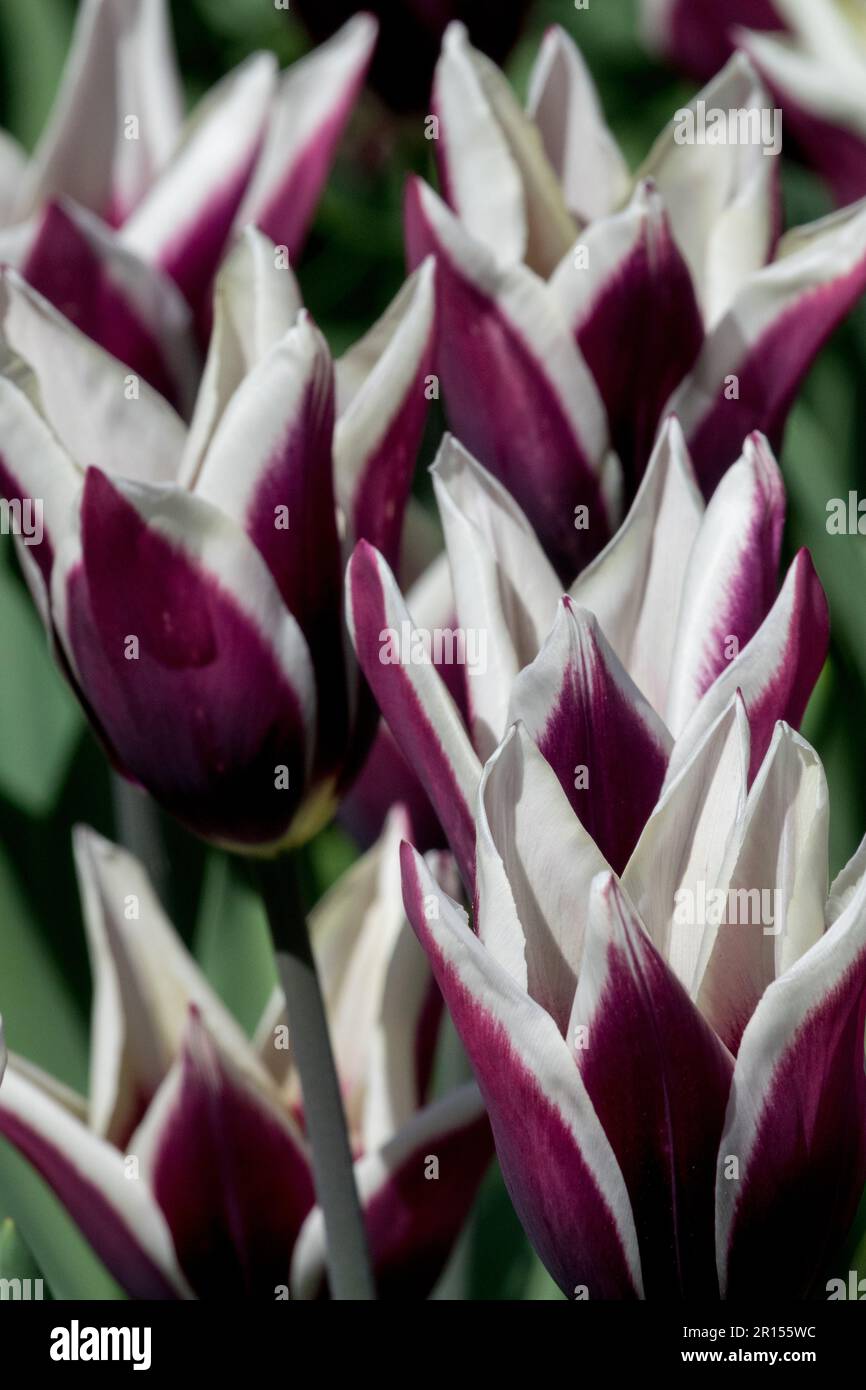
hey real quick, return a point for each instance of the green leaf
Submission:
(16, 1261)
(539, 1285)
(64, 1257)
(232, 942)
(501, 1261)
(34, 39)
(40, 719)
(41, 1019)
(325, 859)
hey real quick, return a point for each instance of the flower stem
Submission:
(348, 1259)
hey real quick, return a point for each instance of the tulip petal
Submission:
(683, 847)
(628, 295)
(127, 429)
(492, 164)
(605, 743)
(846, 883)
(777, 669)
(822, 97)
(310, 109)
(144, 982)
(779, 874)
(34, 469)
(403, 1047)
(354, 929)
(646, 1052)
(731, 580)
(126, 306)
(796, 1122)
(520, 397)
(412, 1217)
(382, 383)
(382, 1012)
(504, 585)
(535, 866)
(386, 777)
(234, 1228)
(565, 106)
(121, 68)
(280, 423)
(185, 219)
(753, 361)
(413, 698)
(256, 302)
(635, 585)
(116, 1214)
(722, 199)
(215, 714)
(578, 1217)
(13, 163)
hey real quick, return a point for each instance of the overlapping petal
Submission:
(646, 1051)
(160, 605)
(792, 1158)
(519, 395)
(579, 1218)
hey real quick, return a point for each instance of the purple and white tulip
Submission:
(671, 1055)
(187, 1166)
(124, 212)
(810, 53)
(818, 75)
(697, 36)
(192, 579)
(624, 674)
(577, 305)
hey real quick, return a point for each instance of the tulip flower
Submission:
(697, 36)
(619, 681)
(123, 214)
(187, 1167)
(386, 777)
(818, 75)
(676, 1090)
(577, 306)
(192, 579)
(811, 54)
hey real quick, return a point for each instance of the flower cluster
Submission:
(592, 693)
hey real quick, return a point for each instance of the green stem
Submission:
(348, 1259)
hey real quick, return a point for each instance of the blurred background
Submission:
(52, 774)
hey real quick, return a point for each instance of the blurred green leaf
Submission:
(324, 860)
(816, 464)
(40, 1016)
(34, 38)
(40, 720)
(232, 942)
(815, 468)
(66, 1260)
(500, 1258)
(16, 1261)
(539, 1285)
